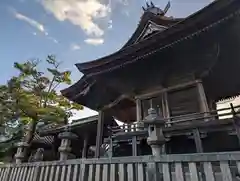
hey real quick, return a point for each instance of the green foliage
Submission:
(32, 95)
(10, 136)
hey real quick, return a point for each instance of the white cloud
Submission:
(31, 21)
(83, 13)
(75, 46)
(124, 2)
(126, 12)
(110, 26)
(53, 39)
(94, 41)
(40, 27)
(110, 22)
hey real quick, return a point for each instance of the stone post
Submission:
(21, 152)
(65, 147)
(23, 146)
(155, 139)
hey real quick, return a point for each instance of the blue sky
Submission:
(74, 30)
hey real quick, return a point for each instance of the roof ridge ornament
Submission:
(150, 7)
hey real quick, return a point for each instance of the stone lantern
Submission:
(65, 147)
(23, 145)
(21, 152)
(156, 139)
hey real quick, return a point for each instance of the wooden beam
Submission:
(85, 146)
(172, 88)
(116, 101)
(99, 133)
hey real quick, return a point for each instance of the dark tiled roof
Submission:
(74, 125)
(44, 139)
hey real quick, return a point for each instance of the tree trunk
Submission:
(30, 132)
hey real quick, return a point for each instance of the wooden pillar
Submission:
(236, 122)
(111, 148)
(99, 133)
(198, 141)
(203, 100)
(199, 148)
(165, 106)
(212, 105)
(202, 97)
(166, 114)
(138, 110)
(85, 146)
(134, 146)
(237, 127)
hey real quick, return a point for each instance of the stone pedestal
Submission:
(65, 147)
(21, 152)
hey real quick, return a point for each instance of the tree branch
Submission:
(50, 88)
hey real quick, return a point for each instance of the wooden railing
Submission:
(182, 119)
(136, 126)
(190, 167)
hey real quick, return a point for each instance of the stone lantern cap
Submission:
(19, 156)
(67, 135)
(153, 118)
(22, 144)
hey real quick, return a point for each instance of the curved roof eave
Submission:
(145, 19)
(77, 88)
(132, 41)
(178, 27)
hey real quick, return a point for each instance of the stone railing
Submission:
(189, 167)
